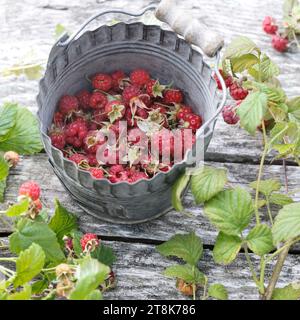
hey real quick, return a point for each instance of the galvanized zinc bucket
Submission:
(128, 46)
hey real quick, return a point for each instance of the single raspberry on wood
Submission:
(102, 81)
(89, 242)
(280, 44)
(139, 77)
(269, 25)
(98, 100)
(237, 92)
(30, 189)
(172, 96)
(67, 105)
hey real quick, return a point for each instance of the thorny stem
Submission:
(204, 296)
(262, 161)
(254, 276)
(262, 275)
(13, 259)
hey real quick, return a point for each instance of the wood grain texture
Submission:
(139, 273)
(38, 169)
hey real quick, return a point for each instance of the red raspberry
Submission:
(163, 139)
(269, 25)
(183, 111)
(115, 169)
(99, 116)
(117, 77)
(229, 114)
(30, 189)
(139, 77)
(192, 121)
(237, 92)
(137, 175)
(58, 140)
(173, 96)
(130, 92)
(84, 97)
(228, 80)
(98, 100)
(280, 44)
(78, 158)
(154, 88)
(96, 173)
(37, 205)
(67, 105)
(89, 242)
(92, 160)
(92, 141)
(102, 81)
(115, 110)
(58, 119)
(68, 243)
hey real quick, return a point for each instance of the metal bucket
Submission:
(124, 46)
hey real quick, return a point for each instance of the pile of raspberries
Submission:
(143, 102)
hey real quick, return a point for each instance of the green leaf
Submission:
(62, 222)
(28, 232)
(188, 247)
(288, 6)
(24, 294)
(252, 110)
(90, 275)
(294, 107)
(268, 68)
(4, 168)
(230, 210)
(243, 62)
(287, 223)
(104, 255)
(239, 47)
(7, 118)
(177, 189)
(18, 208)
(39, 286)
(94, 295)
(260, 240)
(185, 272)
(76, 235)
(280, 199)
(29, 264)
(218, 291)
(226, 248)
(24, 136)
(2, 189)
(274, 94)
(207, 182)
(266, 187)
(289, 292)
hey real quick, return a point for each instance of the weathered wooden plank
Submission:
(139, 274)
(38, 20)
(37, 168)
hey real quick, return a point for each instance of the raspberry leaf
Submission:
(185, 272)
(226, 248)
(188, 247)
(24, 294)
(230, 210)
(4, 168)
(260, 240)
(266, 187)
(244, 62)
(239, 47)
(29, 264)
(280, 199)
(287, 223)
(90, 275)
(28, 232)
(206, 182)
(94, 295)
(218, 291)
(104, 255)
(252, 110)
(7, 118)
(18, 208)
(177, 190)
(24, 136)
(62, 222)
(294, 107)
(289, 292)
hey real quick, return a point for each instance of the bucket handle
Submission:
(208, 41)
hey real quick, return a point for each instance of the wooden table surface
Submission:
(27, 28)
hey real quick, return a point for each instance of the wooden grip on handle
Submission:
(192, 30)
